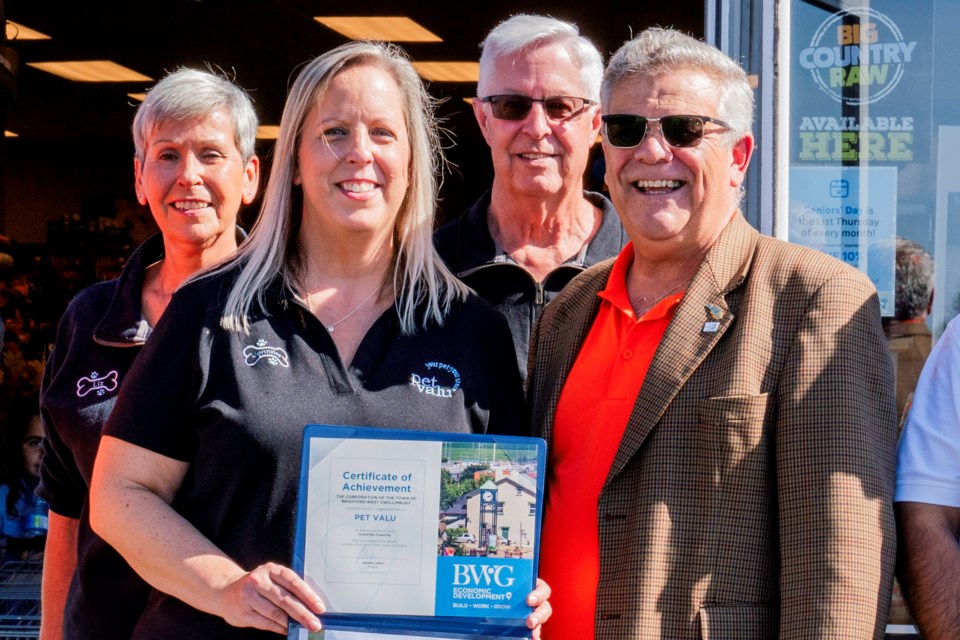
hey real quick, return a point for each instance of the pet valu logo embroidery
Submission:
(274, 356)
(95, 383)
(436, 379)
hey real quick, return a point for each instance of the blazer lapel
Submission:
(700, 321)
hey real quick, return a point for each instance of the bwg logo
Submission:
(440, 380)
(275, 356)
(858, 47)
(471, 575)
(95, 383)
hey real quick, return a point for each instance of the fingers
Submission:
(541, 593)
(539, 599)
(539, 615)
(270, 594)
(286, 594)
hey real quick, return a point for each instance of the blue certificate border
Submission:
(446, 626)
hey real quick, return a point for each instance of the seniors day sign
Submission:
(860, 107)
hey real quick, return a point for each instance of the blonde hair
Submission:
(420, 279)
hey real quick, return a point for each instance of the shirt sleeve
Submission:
(61, 483)
(158, 397)
(835, 440)
(928, 457)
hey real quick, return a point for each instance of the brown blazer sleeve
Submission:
(835, 442)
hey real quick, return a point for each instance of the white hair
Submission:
(658, 51)
(523, 32)
(192, 94)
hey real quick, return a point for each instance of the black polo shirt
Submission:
(99, 336)
(234, 406)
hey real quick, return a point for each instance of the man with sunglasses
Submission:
(719, 404)
(536, 228)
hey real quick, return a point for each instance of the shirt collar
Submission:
(615, 292)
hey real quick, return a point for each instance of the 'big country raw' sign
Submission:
(871, 72)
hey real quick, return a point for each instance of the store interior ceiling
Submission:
(261, 42)
(68, 149)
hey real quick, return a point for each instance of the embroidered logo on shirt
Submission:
(97, 383)
(440, 380)
(252, 354)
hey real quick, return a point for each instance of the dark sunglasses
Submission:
(510, 107)
(628, 131)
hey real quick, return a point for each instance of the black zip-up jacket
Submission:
(467, 247)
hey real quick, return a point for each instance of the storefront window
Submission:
(874, 118)
(874, 166)
(736, 28)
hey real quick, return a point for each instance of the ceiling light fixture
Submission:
(387, 28)
(449, 71)
(16, 31)
(91, 71)
(268, 132)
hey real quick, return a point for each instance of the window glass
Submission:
(874, 162)
(873, 106)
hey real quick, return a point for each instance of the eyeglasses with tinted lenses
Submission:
(627, 131)
(510, 107)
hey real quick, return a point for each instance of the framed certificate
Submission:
(419, 533)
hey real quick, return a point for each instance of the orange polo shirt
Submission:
(591, 416)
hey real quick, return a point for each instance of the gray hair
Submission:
(914, 280)
(523, 33)
(657, 51)
(272, 249)
(192, 94)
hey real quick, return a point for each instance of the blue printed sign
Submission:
(850, 214)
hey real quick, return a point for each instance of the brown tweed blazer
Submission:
(751, 496)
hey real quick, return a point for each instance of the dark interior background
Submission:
(70, 165)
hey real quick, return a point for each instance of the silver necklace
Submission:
(332, 325)
(657, 301)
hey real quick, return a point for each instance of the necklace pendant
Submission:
(329, 328)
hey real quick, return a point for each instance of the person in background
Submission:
(718, 404)
(336, 310)
(24, 519)
(909, 341)
(536, 228)
(927, 499)
(195, 165)
(909, 338)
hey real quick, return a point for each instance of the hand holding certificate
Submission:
(405, 531)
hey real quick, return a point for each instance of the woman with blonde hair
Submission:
(337, 311)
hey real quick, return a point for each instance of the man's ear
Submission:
(740, 159)
(482, 119)
(597, 121)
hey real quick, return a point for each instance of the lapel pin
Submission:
(715, 313)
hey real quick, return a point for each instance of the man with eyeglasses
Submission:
(719, 404)
(536, 228)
